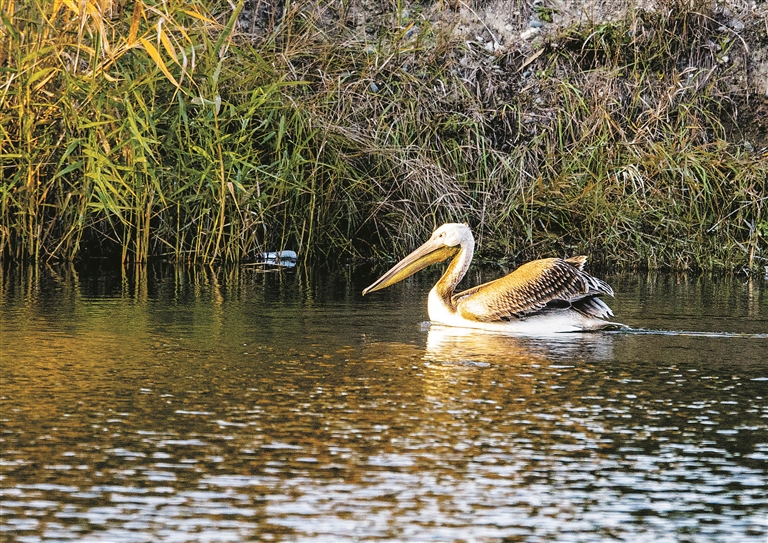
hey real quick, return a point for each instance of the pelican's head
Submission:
(443, 244)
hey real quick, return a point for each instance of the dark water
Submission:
(168, 405)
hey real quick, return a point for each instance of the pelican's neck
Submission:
(456, 271)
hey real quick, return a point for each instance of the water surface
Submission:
(233, 405)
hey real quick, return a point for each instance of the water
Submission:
(244, 406)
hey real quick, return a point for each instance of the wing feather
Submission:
(533, 286)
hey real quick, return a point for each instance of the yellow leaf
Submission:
(86, 7)
(138, 9)
(149, 48)
(71, 5)
(198, 16)
(168, 45)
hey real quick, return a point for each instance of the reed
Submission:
(165, 132)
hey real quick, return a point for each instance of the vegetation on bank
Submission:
(156, 129)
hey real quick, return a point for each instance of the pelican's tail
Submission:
(592, 306)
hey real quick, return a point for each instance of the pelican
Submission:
(541, 297)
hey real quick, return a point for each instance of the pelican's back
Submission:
(550, 283)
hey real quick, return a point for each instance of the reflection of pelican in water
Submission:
(451, 345)
(501, 367)
(540, 297)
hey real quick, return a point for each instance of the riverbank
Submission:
(636, 134)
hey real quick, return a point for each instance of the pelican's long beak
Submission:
(431, 252)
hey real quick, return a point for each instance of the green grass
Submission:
(190, 142)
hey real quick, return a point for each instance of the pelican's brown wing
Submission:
(534, 286)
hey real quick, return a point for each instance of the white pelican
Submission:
(541, 297)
